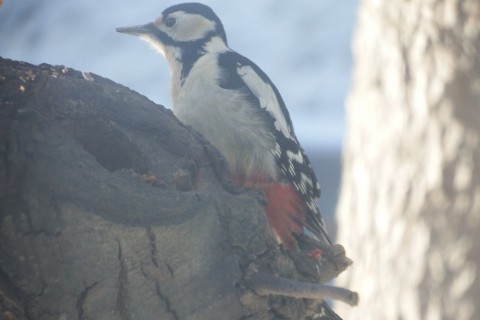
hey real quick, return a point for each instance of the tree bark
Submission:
(110, 208)
(409, 210)
(82, 235)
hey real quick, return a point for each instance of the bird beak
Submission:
(144, 29)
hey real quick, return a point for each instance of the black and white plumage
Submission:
(234, 104)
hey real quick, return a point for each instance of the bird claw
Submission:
(322, 262)
(335, 263)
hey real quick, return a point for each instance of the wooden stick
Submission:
(264, 284)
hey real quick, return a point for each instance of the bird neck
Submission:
(182, 59)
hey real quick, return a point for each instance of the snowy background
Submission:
(303, 45)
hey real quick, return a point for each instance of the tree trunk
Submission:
(112, 209)
(409, 210)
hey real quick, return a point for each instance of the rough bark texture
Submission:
(85, 235)
(409, 211)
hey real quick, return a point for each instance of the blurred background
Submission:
(410, 202)
(304, 46)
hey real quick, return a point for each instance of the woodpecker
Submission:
(234, 104)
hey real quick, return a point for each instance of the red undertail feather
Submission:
(284, 210)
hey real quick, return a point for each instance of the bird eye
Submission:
(170, 21)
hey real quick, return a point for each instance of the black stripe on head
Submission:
(200, 9)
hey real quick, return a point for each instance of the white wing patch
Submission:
(278, 150)
(295, 156)
(266, 96)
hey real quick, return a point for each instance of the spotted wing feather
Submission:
(239, 73)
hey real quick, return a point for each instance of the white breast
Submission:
(225, 118)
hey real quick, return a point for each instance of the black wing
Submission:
(239, 73)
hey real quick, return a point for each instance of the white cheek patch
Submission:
(190, 27)
(266, 96)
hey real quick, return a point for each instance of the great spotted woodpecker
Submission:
(233, 103)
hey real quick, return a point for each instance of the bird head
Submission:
(184, 26)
